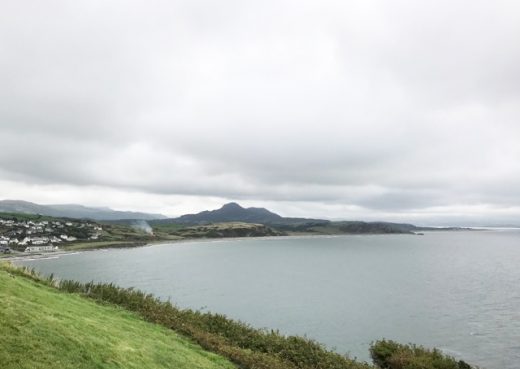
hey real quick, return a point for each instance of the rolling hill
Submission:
(72, 211)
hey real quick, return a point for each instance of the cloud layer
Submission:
(364, 108)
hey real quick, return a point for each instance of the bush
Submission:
(246, 346)
(392, 355)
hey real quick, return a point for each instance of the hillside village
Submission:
(44, 235)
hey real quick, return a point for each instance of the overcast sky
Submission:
(393, 110)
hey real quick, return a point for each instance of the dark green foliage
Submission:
(221, 230)
(388, 354)
(79, 233)
(375, 227)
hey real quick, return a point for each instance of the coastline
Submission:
(243, 345)
(247, 248)
(137, 244)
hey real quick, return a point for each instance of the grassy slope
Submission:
(43, 328)
(213, 230)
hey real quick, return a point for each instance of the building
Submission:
(39, 241)
(41, 248)
(64, 237)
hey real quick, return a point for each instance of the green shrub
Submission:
(246, 346)
(388, 354)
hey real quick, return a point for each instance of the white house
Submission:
(41, 248)
(64, 237)
(39, 240)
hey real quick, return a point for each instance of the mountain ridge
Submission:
(228, 213)
(73, 211)
(233, 212)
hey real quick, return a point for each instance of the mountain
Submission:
(72, 211)
(233, 212)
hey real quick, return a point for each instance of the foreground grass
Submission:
(42, 328)
(245, 346)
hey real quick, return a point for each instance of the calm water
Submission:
(458, 291)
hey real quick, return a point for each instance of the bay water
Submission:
(458, 291)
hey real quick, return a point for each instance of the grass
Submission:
(243, 345)
(92, 245)
(247, 347)
(215, 230)
(165, 228)
(118, 232)
(42, 328)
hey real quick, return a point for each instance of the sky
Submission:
(398, 111)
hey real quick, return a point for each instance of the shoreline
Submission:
(225, 336)
(20, 256)
(62, 252)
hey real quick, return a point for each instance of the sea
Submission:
(458, 291)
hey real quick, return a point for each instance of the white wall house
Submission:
(39, 241)
(64, 237)
(41, 248)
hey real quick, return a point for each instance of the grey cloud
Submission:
(387, 107)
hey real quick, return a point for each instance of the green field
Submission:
(93, 245)
(45, 323)
(42, 328)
